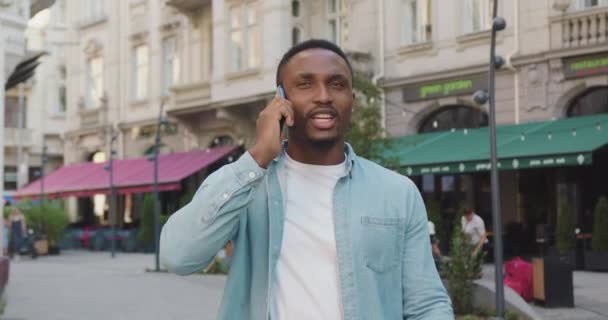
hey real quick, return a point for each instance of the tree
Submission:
(146, 226)
(366, 134)
(599, 242)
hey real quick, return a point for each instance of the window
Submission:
(244, 37)
(62, 90)
(337, 25)
(417, 21)
(93, 9)
(94, 82)
(170, 64)
(10, 177)
(295, 8)
(296, 36)
(11, 112)
(477, 15)
(140, 72)
(586, 4)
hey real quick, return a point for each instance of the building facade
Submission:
(556, 67)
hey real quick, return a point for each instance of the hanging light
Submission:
(574, 132)
(466, 131)
(522, 137)
(598, 126)
(435, 124)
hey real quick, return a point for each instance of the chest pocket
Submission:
(381, 242)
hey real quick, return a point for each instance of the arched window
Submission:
(221, 141)
(592, 101)
(454, 117)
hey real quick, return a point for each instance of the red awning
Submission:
(130, 175)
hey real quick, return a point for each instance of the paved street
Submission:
(92, 286)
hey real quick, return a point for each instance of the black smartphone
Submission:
(281, 93)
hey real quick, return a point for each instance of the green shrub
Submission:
(460, 271)
(599, 240)
(49, 219)
(146, 224)
(564, 233)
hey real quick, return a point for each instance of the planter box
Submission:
(567, 257)
(596, 261)
(42, 247)
(54, 250)
(552, 282)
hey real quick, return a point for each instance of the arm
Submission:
(424, 296)
(194, 234)
(482, 237)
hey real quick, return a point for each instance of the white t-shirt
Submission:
(474, 228)
(307, 281)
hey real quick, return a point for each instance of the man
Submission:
(475, 228)
(318, 232)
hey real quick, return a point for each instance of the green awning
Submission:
(556, 143)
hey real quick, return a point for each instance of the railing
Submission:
(580, 28)
(15, 136)
(92, 117)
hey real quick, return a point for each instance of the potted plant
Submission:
(597, 258)
(565, 239)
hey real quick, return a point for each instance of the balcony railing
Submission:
(190, 96)
(580, 28)
(14, 137)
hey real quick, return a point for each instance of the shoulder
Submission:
(370, 170)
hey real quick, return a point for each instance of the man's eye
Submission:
(303, 85)
(338, 85)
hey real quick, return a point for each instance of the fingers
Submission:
(282, 108)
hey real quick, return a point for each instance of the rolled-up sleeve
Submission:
(195, 233)
(424, 296)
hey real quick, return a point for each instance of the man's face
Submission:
(469, 216)
(318, 83)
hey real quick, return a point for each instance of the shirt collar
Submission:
(348, 150)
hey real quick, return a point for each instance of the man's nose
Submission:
(323, 95)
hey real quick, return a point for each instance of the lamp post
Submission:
(44, 159)
(110, 168)
(161, 121)
(481, 97)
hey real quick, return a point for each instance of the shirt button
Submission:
(225, 195)
(251, 174)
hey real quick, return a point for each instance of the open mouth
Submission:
(323, 120)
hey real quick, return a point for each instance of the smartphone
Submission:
(281, 93)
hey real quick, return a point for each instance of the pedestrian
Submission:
(318, 232)
(474, 227)
(17, 230)
(434, 241)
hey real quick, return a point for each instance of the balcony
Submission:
(190, 97)
(580, 29)
(91, 118)
(14, 137)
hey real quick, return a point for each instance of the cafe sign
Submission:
(445, 88)
(586, 66)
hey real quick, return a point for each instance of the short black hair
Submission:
(311, 44)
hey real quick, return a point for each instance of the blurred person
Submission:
(474, 227)
(318, 232)
(434, 242)
(18, 230)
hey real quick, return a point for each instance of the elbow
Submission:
(171, 257)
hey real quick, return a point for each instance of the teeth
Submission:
(323, 116)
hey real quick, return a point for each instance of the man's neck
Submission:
(317, 154)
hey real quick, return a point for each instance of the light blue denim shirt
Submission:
(386, 269)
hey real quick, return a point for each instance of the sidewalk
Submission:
(590, 297)
(93, 286)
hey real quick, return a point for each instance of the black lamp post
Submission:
(110, 168)
(160, 123)
(481, 97)
(44, 159)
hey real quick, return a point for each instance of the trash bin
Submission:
(552, 281)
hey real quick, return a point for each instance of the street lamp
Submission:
(110, 168)
(160, 123)
(481, 97)
(44, 159)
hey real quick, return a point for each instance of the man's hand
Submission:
(268, 131)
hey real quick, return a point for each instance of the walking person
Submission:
(318, 232)
(18, 230)
(474, 227)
